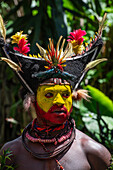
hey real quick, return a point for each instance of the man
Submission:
(53, 107)
(51, 141)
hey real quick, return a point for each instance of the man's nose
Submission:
(58, 100)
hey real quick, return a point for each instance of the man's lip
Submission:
(59, 111)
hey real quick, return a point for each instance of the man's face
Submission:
(54, 103)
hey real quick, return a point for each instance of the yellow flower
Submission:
(18, 36)
(77, 48)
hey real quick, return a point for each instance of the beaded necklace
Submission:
(50, 154)
(35, 126)
(37, 130)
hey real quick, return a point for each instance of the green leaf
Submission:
(58, 18)
(99, 102)
(7, 157)
(109, 121)
(91, 124)
(98, 7)
(80, 5)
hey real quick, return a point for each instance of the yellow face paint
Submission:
(49, 95)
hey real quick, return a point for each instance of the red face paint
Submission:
(55, 115)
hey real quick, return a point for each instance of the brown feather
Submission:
(80, 94)
(2, 28)
(13, 65)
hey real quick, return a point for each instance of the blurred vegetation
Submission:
(6, 156)
(41, 20)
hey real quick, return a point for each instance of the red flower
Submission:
(77, 36)
(22, 47)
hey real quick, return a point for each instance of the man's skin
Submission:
(83, 154)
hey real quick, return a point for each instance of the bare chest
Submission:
(73, 159)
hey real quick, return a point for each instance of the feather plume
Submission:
(29, 99)
(42, 50)
(58, 43)
(61, 49)
(13, 65)
(68, 52)
(101, 24)
(57, 57)
(92, 64)
(2, 28)
(80, 94)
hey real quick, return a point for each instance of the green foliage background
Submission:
(42, 19)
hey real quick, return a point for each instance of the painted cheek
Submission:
(44, 103)
(68, 103)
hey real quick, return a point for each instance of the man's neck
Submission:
(46, 124)
(47, 131)
(58, 134)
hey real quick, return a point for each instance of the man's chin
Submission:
(56, 122)
(55, 116)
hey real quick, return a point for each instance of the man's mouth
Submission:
(59, 111)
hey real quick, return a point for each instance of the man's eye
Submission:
(65, 95)
(49, 95)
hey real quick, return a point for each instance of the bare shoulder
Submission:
(97, 155)
(13, 146)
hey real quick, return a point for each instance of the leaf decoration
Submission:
(13, 65)
(101, 24)
(92, 64)
(2, 28)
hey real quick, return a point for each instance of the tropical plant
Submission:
(96, 117)
(3, 159)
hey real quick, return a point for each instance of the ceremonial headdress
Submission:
(70, 64)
